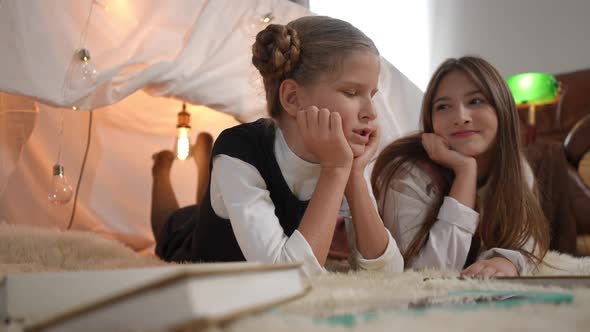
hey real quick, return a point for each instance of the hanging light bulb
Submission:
(83, 73)
(60, 192)
(182, 139)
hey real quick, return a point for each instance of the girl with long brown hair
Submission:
(459, 194)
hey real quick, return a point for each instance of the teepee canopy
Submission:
(149, 56)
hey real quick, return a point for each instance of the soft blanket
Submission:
(342, 301)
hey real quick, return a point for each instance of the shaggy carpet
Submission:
(342, 301)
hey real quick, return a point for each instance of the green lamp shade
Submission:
(533, 88)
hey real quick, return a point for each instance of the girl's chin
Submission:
(473, 148)
(469, 151)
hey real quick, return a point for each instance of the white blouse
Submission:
(239, 193)
(406, 201)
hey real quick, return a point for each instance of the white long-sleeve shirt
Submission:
(404, 207)
(239, 193)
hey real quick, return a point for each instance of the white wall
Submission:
(399, 29)
(514, 35)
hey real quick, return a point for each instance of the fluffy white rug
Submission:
(28, 249)
(363, 301)
(337, 302)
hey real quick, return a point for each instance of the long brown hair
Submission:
(512, 213)
(303, 50)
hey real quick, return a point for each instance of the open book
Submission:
(568, 281)
(146, 299)
(453, 300)
(563, 281)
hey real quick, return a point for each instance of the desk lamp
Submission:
(531, 90)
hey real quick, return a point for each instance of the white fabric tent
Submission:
(150, 55)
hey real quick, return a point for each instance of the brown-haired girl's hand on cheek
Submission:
(493, 267)
(439, 151)
(323, 136)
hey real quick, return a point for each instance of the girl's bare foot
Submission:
(163, 162)
(164, 201)
(202, 154)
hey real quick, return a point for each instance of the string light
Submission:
(60, 191)
(81, 74)
(251, 25)
(267, 18)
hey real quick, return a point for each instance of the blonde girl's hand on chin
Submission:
(493, 267)
(323, 136)
(439, 151)
(360, 162)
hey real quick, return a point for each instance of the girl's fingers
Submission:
(312, 119)
(375, 132)
(374, 136)
(473, 269)
(438, 144)
(425, 143)
(429, 142)
(324, 119)
(445, 143)
(425, 140)
(301, 118)
(335, 122)
(488, 271)
(430, 148)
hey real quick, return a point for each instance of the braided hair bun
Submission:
(276, 51)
